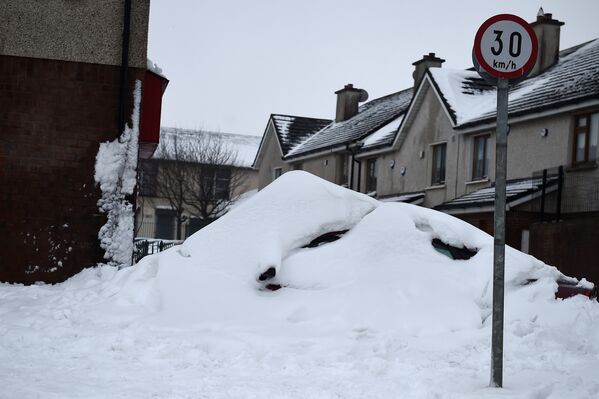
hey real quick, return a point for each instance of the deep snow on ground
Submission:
(376, 314)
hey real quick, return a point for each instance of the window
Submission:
(276, 173)
(298, 166)
(438, 175)
(586, 131)
(480, 164)
(165, 224)
(148, 174)
(216, 183)
(371, 175)
(222, 180)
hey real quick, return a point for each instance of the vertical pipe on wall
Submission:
(351, 177)
(359, 174)
(124, 66)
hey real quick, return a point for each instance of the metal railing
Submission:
(143, 247)
(566, 191)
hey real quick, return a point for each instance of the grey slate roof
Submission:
(515, 190)
(292, 130)
(470, 100)
(370, 117)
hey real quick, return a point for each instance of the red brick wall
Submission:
(53, 115)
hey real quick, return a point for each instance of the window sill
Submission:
(582, 166)
(435, 187)
(477, 181)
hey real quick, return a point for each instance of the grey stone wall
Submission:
(84, 30)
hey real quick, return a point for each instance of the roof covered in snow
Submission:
(245, 146)
(384, 135)
(515, 190)
(293, 130)
(470, 100)
(371, 117)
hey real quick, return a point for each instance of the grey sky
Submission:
(233, 63)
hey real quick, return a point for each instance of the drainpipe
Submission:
(351, 177)
(359, 172)
(124, 66)
(351, 149)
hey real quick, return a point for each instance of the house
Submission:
(193, 178)
(67, 77)
(282, 133)
(433, 145)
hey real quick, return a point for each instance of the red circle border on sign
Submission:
(506, 75)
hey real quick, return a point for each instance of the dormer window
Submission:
(586, 132)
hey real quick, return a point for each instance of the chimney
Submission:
(547, 30)
(428, 61)
(347, 102)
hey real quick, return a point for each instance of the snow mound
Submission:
(384, 273)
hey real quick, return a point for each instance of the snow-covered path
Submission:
(62, 342)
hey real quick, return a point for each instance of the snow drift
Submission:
(384, 273)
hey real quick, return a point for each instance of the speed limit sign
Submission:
(505, 47)
(505, 51)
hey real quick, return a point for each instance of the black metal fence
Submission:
(143, 247)
(566, 191)
(167, 229)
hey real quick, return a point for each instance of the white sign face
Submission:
(506, 47)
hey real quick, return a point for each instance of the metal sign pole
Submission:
(505, 50)
(499, 244)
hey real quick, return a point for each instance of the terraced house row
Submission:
(433, 145)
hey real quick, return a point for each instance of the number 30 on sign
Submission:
(505, 47)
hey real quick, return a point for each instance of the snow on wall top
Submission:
(292, 130)
(471, 100)
(153, 67)
(244, 145)
(370, 117)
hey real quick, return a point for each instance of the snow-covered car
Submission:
(323, 244)
(566, 287)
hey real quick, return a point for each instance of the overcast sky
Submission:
(233, 63)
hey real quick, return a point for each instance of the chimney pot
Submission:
(429, 60)
(347, 101)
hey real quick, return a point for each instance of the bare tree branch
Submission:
(199, 174)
